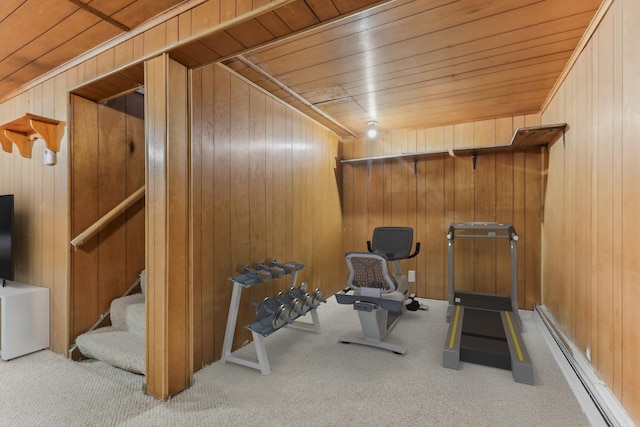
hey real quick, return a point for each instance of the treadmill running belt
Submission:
(483, 339)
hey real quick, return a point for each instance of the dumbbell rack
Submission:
(259, 332)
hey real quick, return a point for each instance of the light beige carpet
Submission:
(314, 381)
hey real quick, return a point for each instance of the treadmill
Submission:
(486, 328)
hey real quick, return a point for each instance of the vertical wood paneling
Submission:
(603, 42)
(273, 192)
(59, 250)
(448, 190)
(197, 161)
(84, 213)
(223, 263)
(256, 197)
(464, 185)
(111, 190)
(420, 234)
(591, 246)
(155, 112)
(107, 166)
(281, 164)
(617, 206)
(134, 148)
(504, 173)
(534, 163)
(531, 232)
(178, 286)
(41, 241)
(485, 208)
(36, 271)
(36, 190)
(375, 201)
(434, 244)
(57, 324)
(630, 292)
(240, 194)
(169, 343)
(348, 216)
(269, 186)
(43, 191)
(519, 214)
(582, 273)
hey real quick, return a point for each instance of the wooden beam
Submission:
(100, 15)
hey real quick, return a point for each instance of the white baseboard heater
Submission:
(596, 399)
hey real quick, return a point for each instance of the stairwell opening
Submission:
(107, 166)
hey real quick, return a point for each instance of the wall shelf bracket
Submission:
(24, 130)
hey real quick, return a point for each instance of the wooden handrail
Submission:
(107, 218)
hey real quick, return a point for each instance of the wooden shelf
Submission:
(25, 130)
(523, 138)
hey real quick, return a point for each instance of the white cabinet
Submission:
(24, 319)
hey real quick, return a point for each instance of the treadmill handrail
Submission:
(483, 226)
(487, 226)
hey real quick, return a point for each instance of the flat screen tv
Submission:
(6, 238)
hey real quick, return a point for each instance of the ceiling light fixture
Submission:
(372, 132)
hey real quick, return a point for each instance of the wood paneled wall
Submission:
(41, 205)
(42, 192)
(591, 244)
(107, 166)
(168, 288)
(263, 184)
(431, 194)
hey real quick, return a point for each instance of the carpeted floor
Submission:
(314, 381)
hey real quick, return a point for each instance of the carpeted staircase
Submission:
(123, 343)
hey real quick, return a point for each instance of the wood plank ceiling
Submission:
(415, 64)
(406, 64)
(39, 35)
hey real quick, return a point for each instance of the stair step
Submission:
(119, 348)
(136, 319)
(119, 311)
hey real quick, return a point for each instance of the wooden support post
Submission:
(169, 367)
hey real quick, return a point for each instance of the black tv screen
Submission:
(6, 237)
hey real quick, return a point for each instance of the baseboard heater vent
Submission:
(606, 404)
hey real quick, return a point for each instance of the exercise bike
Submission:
(380, 296)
